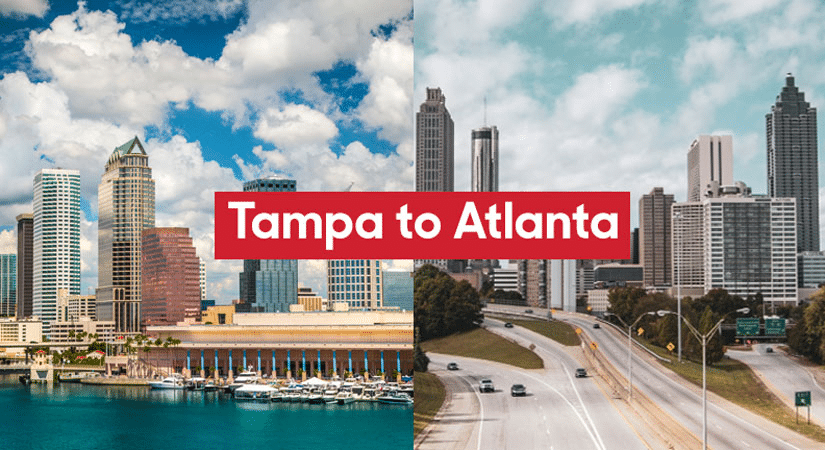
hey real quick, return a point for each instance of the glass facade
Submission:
(8, 285)
(398, 290)
(269, 285)
(56, 240)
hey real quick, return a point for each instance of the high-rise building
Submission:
(355, 281)
(434, 153)
(170, 277)
(654, 237)
(269, 285)
(25, 256)
(398, 289)
(710, 159)
(126, 207)
(736, 241)
(56, 240)
(202, 270)
(793, 160)
(434, 142)
(8, 285)
(484, 162)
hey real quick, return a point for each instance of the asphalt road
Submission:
(785, 375)
(559, 411)
(726, 430)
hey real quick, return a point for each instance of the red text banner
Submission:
(422, 225)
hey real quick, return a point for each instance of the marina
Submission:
(68, 411)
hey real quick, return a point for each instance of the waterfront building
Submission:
(218, 315)
(170, 277)
(269, 285)
(654, 237)
(25, 258)
(398, 289)
(72, 307)
(309, 300)
(126, 207)
(294, 344)
(56, 240)
(355, 281)
(21, 331)
(710, 159)
(64, 332)
(793, 167)
(8, 285)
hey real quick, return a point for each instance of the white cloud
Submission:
(295, 126)
(23, 8)
(722, 11)
(8, 242)
(573, 12)
(180, 11)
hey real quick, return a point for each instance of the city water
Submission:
(76, 416)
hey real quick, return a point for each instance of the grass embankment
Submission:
(429, 396)
(558, 331)
(482, 344)
(737, 383)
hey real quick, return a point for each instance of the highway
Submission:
(726, 430)
(560, 411)
(786, 376)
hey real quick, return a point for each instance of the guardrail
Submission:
(624, 332)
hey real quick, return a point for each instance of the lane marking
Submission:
(584, 407)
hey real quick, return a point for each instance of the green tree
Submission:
(667, 331)
(462, 311)
(715, 351)
(623, 301)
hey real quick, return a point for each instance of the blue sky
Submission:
(219, 92)
(609, 94)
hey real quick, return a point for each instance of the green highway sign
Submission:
(748, 326)
(803, 398)
(775, 327)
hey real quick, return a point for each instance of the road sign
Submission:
(775, 327)
(578, 331)
(803, 398)
(640, 331)
(670, 346)
(594, 345)
(748, 326)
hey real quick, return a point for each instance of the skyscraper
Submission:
(8, 285)
(710, 159)
(434, 142)
(126, 207)
(654, 237)
(793, 160)
(170, 277)
(55, 240)
(269, 285)
(484, 146)
(25, 256)
(359, 282)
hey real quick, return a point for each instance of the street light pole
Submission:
(703, 338)
(678, 216)
(630, 350)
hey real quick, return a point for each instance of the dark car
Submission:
(581, 372)
(769, 350)
(596, 325)
(518, 390)
(452, 366)
(508, 325)
(528, 311)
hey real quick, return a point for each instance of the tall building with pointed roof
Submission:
(793, 160)
(126, 207)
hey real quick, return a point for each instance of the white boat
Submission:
(329, 395)
(255, 392)
(344, 398)
(315, 397)
(395, 398)
(175, 383)
(242, 379)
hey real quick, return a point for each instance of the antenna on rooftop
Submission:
(485, 110)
